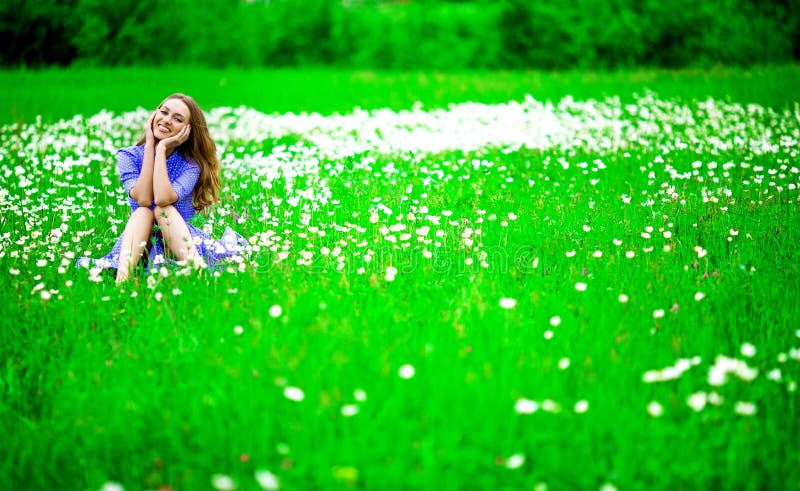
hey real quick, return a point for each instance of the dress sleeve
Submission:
(183, 185)
(128, 168)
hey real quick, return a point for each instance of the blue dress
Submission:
(183, 176)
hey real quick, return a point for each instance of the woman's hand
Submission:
(173, 142)
(149, 138)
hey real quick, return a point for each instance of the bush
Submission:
(556, 34)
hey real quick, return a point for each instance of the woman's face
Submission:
(170, 118)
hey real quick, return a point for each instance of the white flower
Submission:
(622, 298)
(508, 303)
(275, 311)
(608, 487)
(293, 394)
(515, 461)
(238, 330)
(550, 406)
(526, 406)
(548, 334)
(697, 401)
(699, 296)
(406, 371)
(630, 254)
(597, 254)
(655, 409)
(391, 272)
(717, 376)
(581, 406)
(748, 350)
(555, 321)
(563, 363)
(222, 482)
(267, 480)
(349, 410)
(112, 486)
(745, 408)
(359, 395)
(581, 287)
(45, 295)
(658, 313)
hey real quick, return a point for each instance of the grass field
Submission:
(60, 93)
(559, 291)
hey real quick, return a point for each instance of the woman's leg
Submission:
(134, 240)
(176, 235)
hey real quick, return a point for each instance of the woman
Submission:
(171, 173)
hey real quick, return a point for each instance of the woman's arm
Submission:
(163, 191)
(142, 191)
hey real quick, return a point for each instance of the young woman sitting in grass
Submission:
(168, 176)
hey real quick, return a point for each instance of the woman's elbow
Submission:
(164, 202)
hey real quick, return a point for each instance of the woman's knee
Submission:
(142, 213)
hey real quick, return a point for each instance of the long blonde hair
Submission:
(200, 149)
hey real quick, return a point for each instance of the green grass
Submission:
(149, 385)
(60, 93)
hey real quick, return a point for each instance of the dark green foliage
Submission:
(37, 33)
(401, 34)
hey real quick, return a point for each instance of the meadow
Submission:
(465, 281)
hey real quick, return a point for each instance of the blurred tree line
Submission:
(552, 34)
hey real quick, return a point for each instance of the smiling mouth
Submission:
(163, 129)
